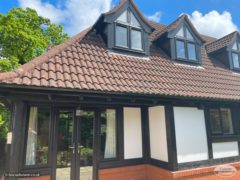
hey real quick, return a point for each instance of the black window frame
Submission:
(221, 122)
(184, 46)
(129, 27)
(186, 42)
(130, 39)
(233, 51)
(115, 35)
(195, 51)
(49, 160)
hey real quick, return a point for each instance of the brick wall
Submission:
(36, 178)
(124, 173)
(149, 172)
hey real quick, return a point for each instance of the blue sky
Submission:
(212, 17)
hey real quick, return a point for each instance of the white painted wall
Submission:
(225, 149)
(158, 134)
(132, 133)
(191, 136)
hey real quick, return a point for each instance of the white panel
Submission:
(225, 149)
(132, 133)
(191, 137)
(158, 135)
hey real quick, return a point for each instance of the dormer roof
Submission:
(223, 42)
(122, 4)
(174, 25)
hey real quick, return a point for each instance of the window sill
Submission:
(109, 160)
(128, 51)
(43, 166)
(42, 171)
(236, 69)
(225, 138)
(186, 61)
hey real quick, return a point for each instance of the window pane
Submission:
(191, 51)
(134, 21)
(136, 39)
(38, 135)
(188, 35)
(235, 46)
(180, 49)
(108, 133)
(180, 32)
(227, 120)
(215, 121)
(64, 144)
(235, 60)
(123, 17)
(121, 36)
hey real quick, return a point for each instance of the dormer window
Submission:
(185, 45)
(181, 41)
(235, 52)
(125, 30)
(226, 50)
(128, 32)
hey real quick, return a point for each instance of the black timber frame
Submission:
(22, 98)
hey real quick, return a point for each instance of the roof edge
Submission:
(118, 93)
(234, 34)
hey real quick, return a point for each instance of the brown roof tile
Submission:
(221, 43)
(84, 63)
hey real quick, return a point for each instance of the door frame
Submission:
(75, 167)
(95, 140)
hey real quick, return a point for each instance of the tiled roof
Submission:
(84, 63)
(221, 43)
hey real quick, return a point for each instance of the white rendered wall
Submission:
(132, 133)
(225, 149)
(191, 136)
(158, 135)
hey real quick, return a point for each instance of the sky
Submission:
(215, 18)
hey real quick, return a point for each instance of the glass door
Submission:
(65, 145)
(75, 145)
(86, 144)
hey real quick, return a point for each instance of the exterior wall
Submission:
(225, 149)
(123, 173)
(132, 133)
(185, 120)
(149, 172)
(191, 136)
(158, 134)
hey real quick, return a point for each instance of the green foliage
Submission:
(4, 122)
(86, 155)
(42, 154)
(25, 35)
(8, 64)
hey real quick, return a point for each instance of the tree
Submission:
(25, 35)
(4, 122)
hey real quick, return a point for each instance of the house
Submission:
(127, 99)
